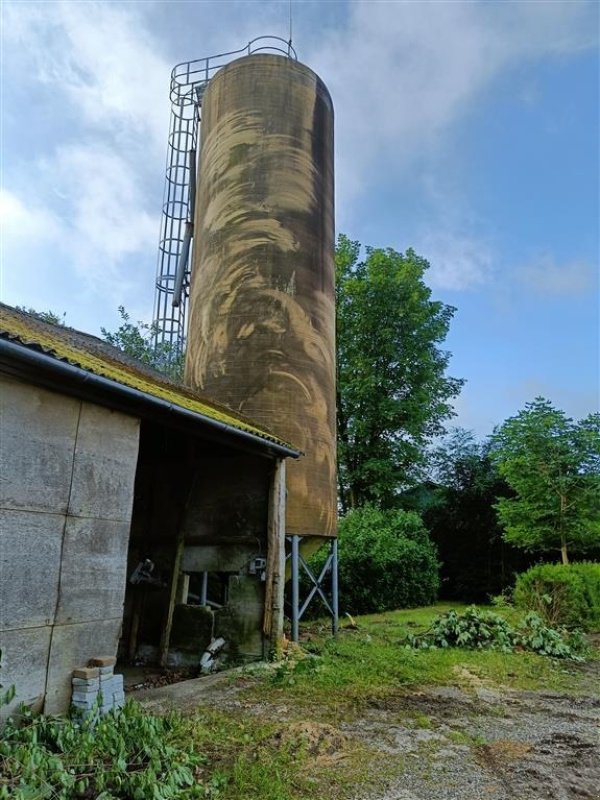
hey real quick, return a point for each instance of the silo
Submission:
(261, 335)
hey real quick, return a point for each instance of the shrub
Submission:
(472, 629)
(484, 630)
(386, 561)
(562, 594)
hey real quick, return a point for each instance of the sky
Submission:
(465, 130)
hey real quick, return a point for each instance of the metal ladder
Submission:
(188, 83)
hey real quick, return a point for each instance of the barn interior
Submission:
(197, 551)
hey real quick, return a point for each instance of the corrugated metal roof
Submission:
(98, 357)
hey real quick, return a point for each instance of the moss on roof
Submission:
(96, 356)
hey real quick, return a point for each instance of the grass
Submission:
(282, 737)
(370, 662)
(248, 756)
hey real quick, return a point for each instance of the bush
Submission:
(562, 594)
(386, 561)
(484, 630)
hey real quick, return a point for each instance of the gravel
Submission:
(484, 744)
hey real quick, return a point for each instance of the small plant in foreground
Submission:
(477, 629)
(126, 754)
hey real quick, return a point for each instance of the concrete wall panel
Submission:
(240, 622)
(66, 483)
(94, 569)
(30, 545)
(219, 558)
(36, 457)
(72, 646)
(104, 466)
(24, 662)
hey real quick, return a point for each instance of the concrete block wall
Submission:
(67, 471)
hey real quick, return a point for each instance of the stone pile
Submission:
(96, 689)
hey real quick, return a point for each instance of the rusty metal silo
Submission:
(261, 335)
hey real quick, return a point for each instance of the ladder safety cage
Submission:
(188, 83)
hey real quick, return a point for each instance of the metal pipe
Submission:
(192, 200)
(334, 587)
(204, 589)
(295, 586)
(182, 265)
(11, 352)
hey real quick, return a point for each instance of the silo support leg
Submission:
(334, 587)
(321, 584)
(295, 565)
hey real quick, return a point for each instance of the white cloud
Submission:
(107, 220)
(102, 224)
(457, 260)
(101, 57)
(402, 73)
(546, 277)
(21, 222)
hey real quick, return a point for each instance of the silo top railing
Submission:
(189, 74)
(188, 82)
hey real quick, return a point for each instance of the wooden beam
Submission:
(165, 638)
(174, 582)
(275, 578)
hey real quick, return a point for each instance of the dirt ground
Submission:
(445, 743)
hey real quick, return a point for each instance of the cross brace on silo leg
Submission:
(330, 568)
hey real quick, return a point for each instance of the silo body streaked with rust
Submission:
(261, 335)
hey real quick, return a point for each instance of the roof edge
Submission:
(16, 352)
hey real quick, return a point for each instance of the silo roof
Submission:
(115, 370)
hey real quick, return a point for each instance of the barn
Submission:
(138, 519)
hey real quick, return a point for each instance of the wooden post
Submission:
(138, 599)
(275, 578)
(166, 633)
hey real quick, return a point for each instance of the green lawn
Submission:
(372, 661)
(281, 738)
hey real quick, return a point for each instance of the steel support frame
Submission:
(330, 568)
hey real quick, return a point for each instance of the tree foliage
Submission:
(458, 509)
(138, 341)
(553, 465)
(386, 561)
(393, 392)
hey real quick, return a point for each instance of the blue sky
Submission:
(466, 130)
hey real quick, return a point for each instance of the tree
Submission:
(553, 465)
(458, 509)
(393, 393)
(138, 342)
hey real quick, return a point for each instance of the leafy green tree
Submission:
(553, 465)
(393, 392)
(138, 341)
(458, 509)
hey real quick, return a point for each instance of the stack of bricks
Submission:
(96, 689)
